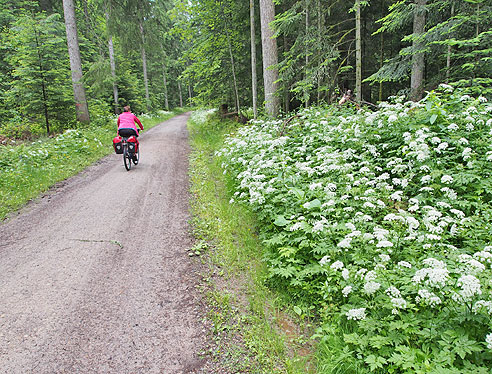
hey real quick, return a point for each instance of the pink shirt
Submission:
(126, 120)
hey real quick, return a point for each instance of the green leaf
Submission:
(375, 362)
(280, 221)
(314, 204)
(432, 119)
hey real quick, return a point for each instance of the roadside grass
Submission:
(29, 169)
(246, 319)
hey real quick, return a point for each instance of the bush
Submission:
(382, 222)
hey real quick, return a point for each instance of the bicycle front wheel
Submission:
(127, 160)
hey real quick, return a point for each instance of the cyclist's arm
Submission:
(139, 123)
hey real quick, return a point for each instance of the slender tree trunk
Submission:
(254, 78)
(189, 94)
(144, 63)
(418, 57)
(286, 87)
(81, 108)
(320, 17)
(43, 83)
(358, 54)
(164, 78)
(381, 53)
(180, 95)
(113, 74)
(113, 69)
(233, 69)
(448, 59)
(306, 53)
(270, 57)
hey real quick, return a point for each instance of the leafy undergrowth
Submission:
(28, 169)
(379, 224)
(243, 315)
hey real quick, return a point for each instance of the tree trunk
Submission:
(418, 57)
(113, 74)
(320, 17)
(113, 69)
(270, 57)
(306, 53)
(254, 78)
(164, 78)
(381, 53)
(81, 108)
(144, 63)
(189, 94)
(448, 59)
(358, 54)
(233, 69)
(180, 95)
(43, 83)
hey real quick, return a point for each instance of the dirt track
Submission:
(95, 278)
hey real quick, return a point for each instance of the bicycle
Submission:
(127, 146)
(131, 153)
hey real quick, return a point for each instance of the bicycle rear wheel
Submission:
(127, 160)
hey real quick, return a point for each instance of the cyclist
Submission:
(126, 123)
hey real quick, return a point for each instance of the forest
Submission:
(373, 218)
(168, 53)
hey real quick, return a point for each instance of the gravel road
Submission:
(95, 278)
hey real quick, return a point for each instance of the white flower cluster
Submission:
(356, 314)
(385, 190)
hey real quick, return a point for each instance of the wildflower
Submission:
(404, 264)
(384, 257)
(314, 186)
(345, 243)
(482, 305)
(470, 286)
(324, 260)
(453, 127)
(428, 297)
(359, 314)
(472, 265)
(484, 256)
(384, 244)
(393, 291)
(360, 273)
(319, 225)
(447, 179)
(331, 186)
(488, 340)
(425, 179)
(346, 291)
(370, 275)
(392, 118)
(380, 233)
(337, 265)
(441, 147)
(350, 226)
(466, 154)
(345, 274)
(398, 303)
(396, 196)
